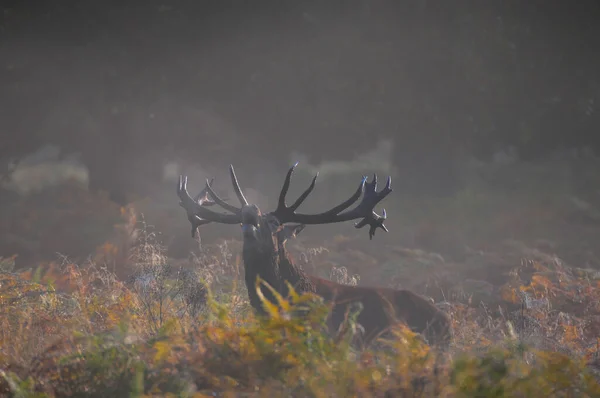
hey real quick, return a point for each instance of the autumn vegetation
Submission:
(131, 320)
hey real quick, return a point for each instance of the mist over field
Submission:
(471, 109)
(456, 103)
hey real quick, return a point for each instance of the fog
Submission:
(122, 97)
(42, 169)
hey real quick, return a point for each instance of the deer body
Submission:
(265, 256)
(381, 307)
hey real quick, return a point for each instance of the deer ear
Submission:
(291, 230)
(297, 229)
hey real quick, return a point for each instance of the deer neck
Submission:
(294, 274)
(261, 262)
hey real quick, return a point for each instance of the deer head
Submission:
(264, 234)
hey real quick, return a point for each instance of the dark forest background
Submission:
(128, 83)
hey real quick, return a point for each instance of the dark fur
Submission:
(268, 258)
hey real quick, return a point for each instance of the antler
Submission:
(196, 210)
(364, 210)
(199, 215)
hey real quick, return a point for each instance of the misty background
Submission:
(122, 97)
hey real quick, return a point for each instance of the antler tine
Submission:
(202, 198)
(203, 192)
(198, 214)
(281, 206)
(286, 186)
(236, 187)
(374, 220)
(364, 210)
(218, 200)
(305, 194)
(351, 200)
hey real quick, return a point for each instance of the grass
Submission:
(70, 330)
(131, 321)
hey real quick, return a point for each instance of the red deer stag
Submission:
(265, 255)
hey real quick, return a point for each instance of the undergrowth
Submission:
(187, 330)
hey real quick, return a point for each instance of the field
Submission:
(125, 310)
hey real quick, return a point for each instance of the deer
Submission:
(265, 256)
